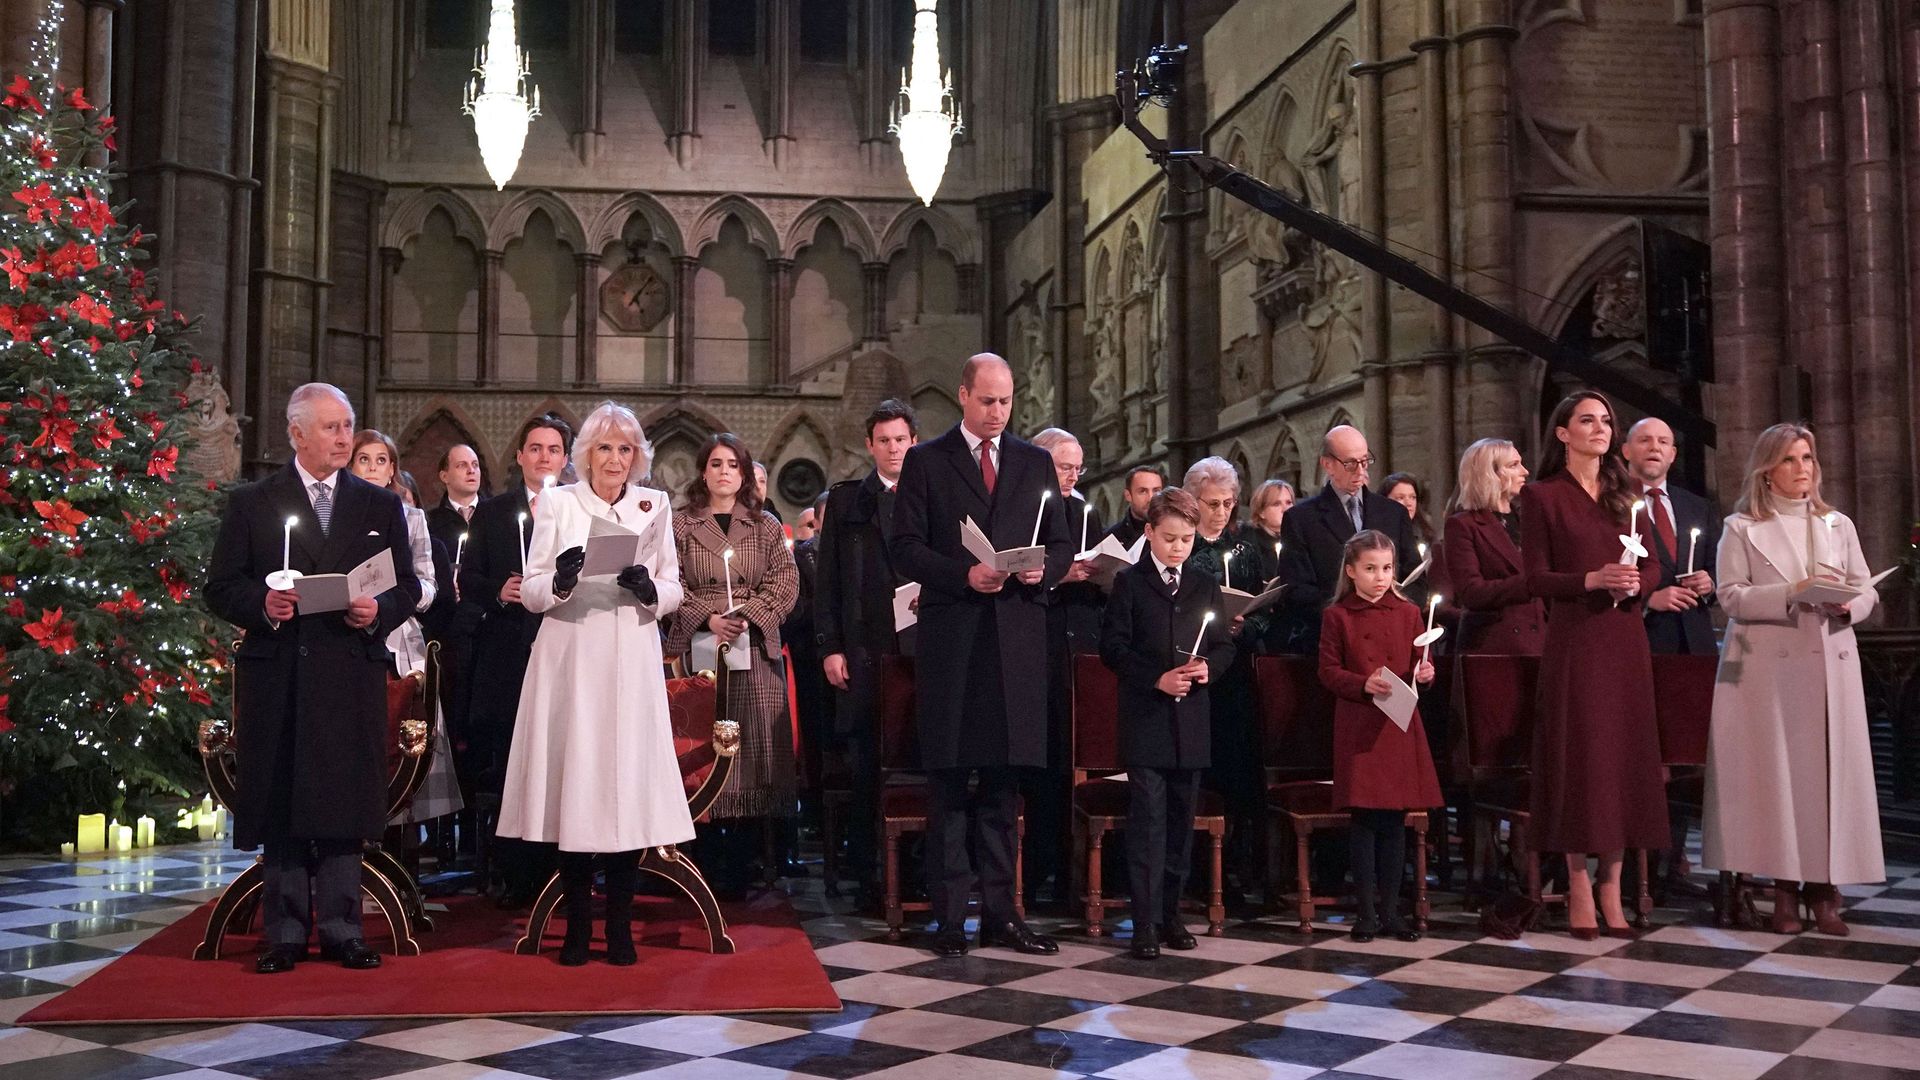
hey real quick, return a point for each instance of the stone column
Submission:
(687, 48)
(489, 365)
(1074, 129)
(586, 323)
(1376, 325)
(1909, 61)
(593, 45)
(1743, 150)
(1496, 379)
(874, 276)
(780, 274)
(99, 60)
(685, 268)
(782, 29)
(390, 260)
(879, 77)
(1435, 167)
(1182, 365)
(1001, 218)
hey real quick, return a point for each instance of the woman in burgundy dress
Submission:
(1482, 556)
(1596, 751)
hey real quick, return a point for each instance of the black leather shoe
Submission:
(1016, 936)
(279, 958)
(1175, 935)
(950, 944)
(352, 953)
(1363, 933)
(1146, 943)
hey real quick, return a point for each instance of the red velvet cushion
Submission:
(903, 800)
(1308, 797)
(1296, 714)
(1683, 706)
(899, 726)
(690, 709)
(1096, 715)
(1497, 693)
(1112, 798)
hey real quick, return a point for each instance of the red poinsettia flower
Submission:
(20, 321)
(52, 631)
(56, 432)
(16, 608)
(78, 99)
(163, 462)
(86, 308)
(136, 381)
(105, 432)
(17, 266)
(20, 94)
(42, 151)
(60, 516)
(6, 725)
(90, 213)
(128, 604)
(106, 135)
(40, 202)
(71, 259)
(176, 584)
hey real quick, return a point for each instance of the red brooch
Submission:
(646, 506)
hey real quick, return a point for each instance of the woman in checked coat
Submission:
(724, 515)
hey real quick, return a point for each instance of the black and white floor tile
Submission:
(1686, 1000)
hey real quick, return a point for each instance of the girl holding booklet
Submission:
(1789, 790)
(1380, 772)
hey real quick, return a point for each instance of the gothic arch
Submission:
(948, 236)
(760, 230)
(1133, 262)
(1284, 461)
(611, 222)
(854, 230)
(1576, 274)
(789, 426)
(1242, 464)
(1335, 83)
(1102, 278)
(511, 222)
(447, 410)
(680, 417)
(409, 217)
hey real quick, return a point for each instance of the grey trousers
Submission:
(312, 887)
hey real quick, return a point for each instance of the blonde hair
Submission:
(1268, 491)
(1478, 484)
(610, 418)
(1769, 450)
(1357, 545)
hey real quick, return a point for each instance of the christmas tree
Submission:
(108, 663)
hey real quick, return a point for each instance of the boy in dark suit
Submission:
(1154, 618)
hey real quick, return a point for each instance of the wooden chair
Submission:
(383, 878)
(1683, 707)
(903, 793)
(1100, 802)
(705, 742)
(1297, 752)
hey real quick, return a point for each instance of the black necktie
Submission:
(1173, 579)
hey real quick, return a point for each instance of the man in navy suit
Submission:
(981, 690)
(1315, 530)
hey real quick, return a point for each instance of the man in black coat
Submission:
(853, 618)
(982, 695)
(503, 635)
(1315, 531)
(1143, 482)
(448, 622)
(311, 702)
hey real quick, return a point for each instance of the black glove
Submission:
(637, 581)
(566, 569)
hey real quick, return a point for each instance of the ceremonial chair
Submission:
(903, 794)
(705, 741)
(1100, 799)
(1296, 714)
(383, 878)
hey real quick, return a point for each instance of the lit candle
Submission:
(1693, 544)
(1423, 551)
(286, 547)
(1039, 516)
(459, 550)
(221, 820)
(726, 574)
(123, 838)
(1633, 519)
(92, 834)
(1433, 607)
(1086, 515)
(523, 542)
(1201, 636)
(143, 831)
(113, 834)
(203, 824)
(66, 850)
(1226, 570)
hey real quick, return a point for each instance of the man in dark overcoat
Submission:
(1314, 532)
(982, 694)
(310, 699)
(503, 635)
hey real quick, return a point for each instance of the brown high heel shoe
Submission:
(1786, 903)
(1823, 905)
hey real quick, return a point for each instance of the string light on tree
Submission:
(926, 116)
(500, 98)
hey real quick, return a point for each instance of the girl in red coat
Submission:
(1379, 771)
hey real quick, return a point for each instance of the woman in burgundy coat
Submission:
(1596, 751)
(1482, 556)
(1379, 771)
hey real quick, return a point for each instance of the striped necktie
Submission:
(323, 507)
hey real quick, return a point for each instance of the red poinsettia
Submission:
(20, 321)
(87, 309)
(16, 608)
(78, 99)
(105, 432)
(175, 582)
(52, 631)
(40, 202)
(42, 152)
(20, 95)
(70, 260)
(18, 266)
(90, 213)
(60, 516)
(163, 462)
(128, 604)
(56, 432)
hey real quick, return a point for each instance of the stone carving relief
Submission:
(1619, 302)
(1332, 316)
(213, 434)
(1103, 332)
(1034, 360)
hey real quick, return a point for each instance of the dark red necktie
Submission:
(1662, 524)
(987, 475)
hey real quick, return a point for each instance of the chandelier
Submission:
(926, 116)
(499, 98)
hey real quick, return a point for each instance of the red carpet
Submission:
(466, 968)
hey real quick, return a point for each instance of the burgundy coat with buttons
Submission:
(1489, 582)
(1376, 766)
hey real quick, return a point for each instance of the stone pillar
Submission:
(290, 281)
(780, 274)
(1435, 167)
(1376, 325)
(1496, 382)
(1001, 218)
(783, 32)
(1181, 364)
(879, 77)
(403, 54)
(685, 269)
(1909, 61)
(1074, 130)
(593, 45)
(489, 365)
(390, 260)
(874, 275)
(687, 49)
(1743, 152)
(586, 323)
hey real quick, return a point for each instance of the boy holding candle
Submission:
(1160, 636)
(1380, 772)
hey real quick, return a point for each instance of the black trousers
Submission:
(310, 886)
(986, 823)
(1159, 841)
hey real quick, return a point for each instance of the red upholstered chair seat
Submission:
(1096, 712)
(690, 709)
(1683, 706)
(1507, 795)
(903, 801)
(1109, 798)
(1296, 718)
(1312, 798)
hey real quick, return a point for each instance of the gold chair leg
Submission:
(670, 863)
(237, 902)
(373, 882)
(404, 884)
(537, 919)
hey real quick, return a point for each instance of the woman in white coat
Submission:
(1789, 790)
(592, 767)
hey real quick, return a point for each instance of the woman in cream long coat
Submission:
(1789, 789)
(592, 767)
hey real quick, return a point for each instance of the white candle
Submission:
(726, 574)
(1086, 515)
(143, 831)
(1433, 607)
(1226, 570)
(1039, 516)
(1693, 544)
(1201, 636)
(123, 838)
(523, 541)
(66, 850)
(1633, 519)
(459, 550)
(286, 548)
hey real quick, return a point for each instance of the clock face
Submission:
(634, 299)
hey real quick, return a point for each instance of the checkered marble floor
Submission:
(1686, 1000)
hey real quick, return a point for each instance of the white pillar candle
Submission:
(143, 831)
(1086, 515)
(726, 574)
(459, 550)
(1433, 607)
(123, 838)
(1201, 636)
(1226, 570)
(1039, 516)
(286, 547)
(1633, 518)
(523, 542)
(1693, 544)
(66, 850)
